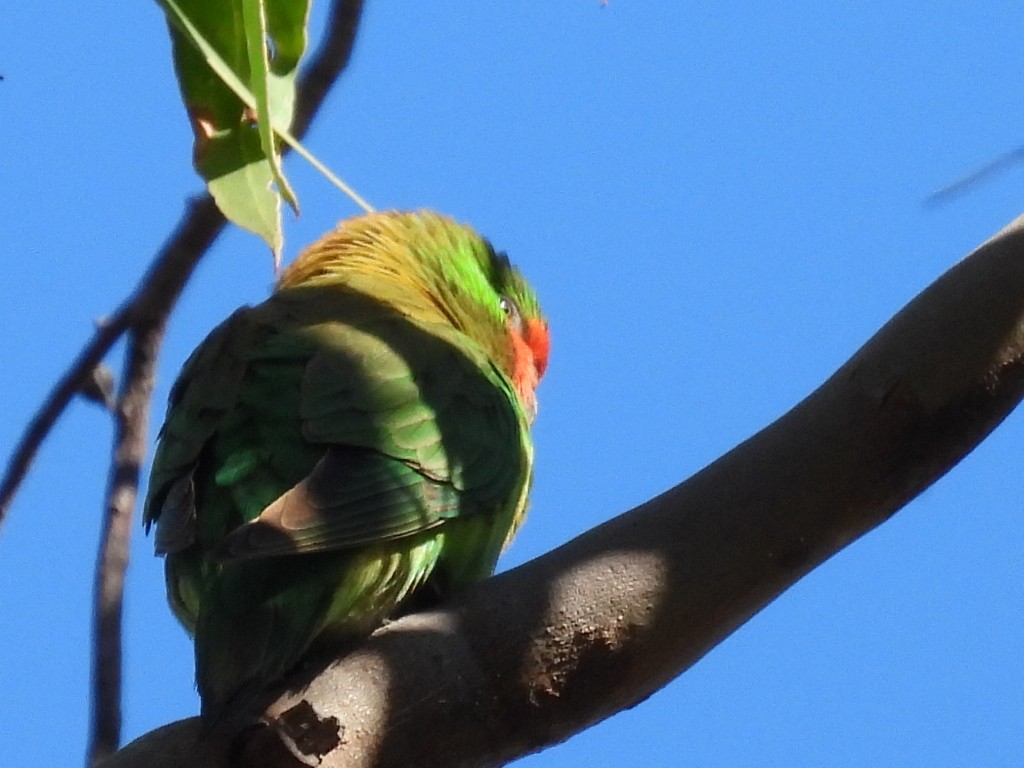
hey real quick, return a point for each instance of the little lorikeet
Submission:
(356, 443)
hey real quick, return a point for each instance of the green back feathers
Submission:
(359, 437)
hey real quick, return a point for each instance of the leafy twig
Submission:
(142, 317)
(159, 289)
(149, 309)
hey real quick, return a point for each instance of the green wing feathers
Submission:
(323, 457)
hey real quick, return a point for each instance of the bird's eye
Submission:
(511, 311)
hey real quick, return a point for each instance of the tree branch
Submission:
(159, 289)
(152, 299)
(144, 316)
(528, 658)
(129, 452)
(53, 406)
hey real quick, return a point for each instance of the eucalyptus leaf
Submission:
(237, 62)
(256, 36)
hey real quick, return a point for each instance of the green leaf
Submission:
(242, 189)
(236, 62)
(255, 22)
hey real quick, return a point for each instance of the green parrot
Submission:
(355, 446)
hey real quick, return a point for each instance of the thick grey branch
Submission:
(530, 657)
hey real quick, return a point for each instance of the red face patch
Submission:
(529, 360)
(537, 339)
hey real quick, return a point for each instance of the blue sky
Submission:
(717, 206)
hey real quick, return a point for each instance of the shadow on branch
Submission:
(530, 657)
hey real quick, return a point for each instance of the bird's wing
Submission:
(206, 390)
(414, 424)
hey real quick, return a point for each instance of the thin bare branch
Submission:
(160, 287)
(53, 406)
(327, 63)
(129, 451)
(976, 176)
(152, 299)
(144, 316)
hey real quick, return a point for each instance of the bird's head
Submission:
(433, 269)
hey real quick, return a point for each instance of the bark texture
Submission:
(530, 657)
